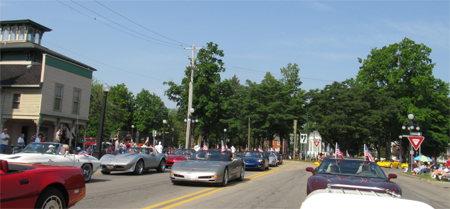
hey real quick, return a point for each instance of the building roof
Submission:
(24, 22)
(11, 75)
(33, 46)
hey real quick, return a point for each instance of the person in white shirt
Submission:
(159, 148)
(116, 146)
(21, 141)
(4, 141)
(38, 139)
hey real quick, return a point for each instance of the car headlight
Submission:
(260, 160)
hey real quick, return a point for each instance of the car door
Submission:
(17, 188)
(152, 158)
(66, 160)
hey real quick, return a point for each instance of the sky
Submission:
(142, 43)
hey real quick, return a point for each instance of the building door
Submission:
(25, 132)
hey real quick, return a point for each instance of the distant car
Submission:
(208, 166)
(349, 172)
(134, 159)
(279, 158)
(51, 153)
(272, 158)
(90, 141)
(389, 164)
(40, 186)
(255, 160)
(356, 199)
(179, 155)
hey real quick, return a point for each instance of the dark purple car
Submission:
(350, 173)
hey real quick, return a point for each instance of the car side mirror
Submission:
(392, 176)
(310, 169)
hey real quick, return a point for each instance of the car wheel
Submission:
(51, 198)
(242, 174)
(225, 177)
(139, 168)
(87, 172)
(162, 166)
(106, 172)
(276, 164)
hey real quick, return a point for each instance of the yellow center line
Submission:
(194, 198)
(179, 198)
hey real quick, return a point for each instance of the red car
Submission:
(179, 155)
(350, 173)
(40, 186)
(90, 141)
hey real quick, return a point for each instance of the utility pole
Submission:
(295, 139)
(248, 134)
(191, 87)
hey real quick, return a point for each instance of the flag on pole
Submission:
(146, 141)
(259, 149)
(217, 146)
(204, 145)
(348, 154)
(223, 147)
(338, 151)
(246, 148)
(367, 153)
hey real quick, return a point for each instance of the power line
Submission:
(113, 26)
(139, 24)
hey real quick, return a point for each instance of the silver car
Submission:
(273, 161)
(134, 159)
(208, 166)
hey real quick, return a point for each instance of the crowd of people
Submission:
(437, 171)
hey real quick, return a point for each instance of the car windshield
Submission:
(183, 152)
(208, 155)
(251, 154)
(350, 167)
(138, 150)
(44, 148)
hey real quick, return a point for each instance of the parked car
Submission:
(389, 164)
(134, 159)
(179, 155)
(208, 166)
(40, 186)
(255, 160)
(356, 199)
(349, 172)
(51, 153)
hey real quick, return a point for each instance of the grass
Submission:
(424, 176)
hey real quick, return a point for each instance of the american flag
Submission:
(217, 146)
(223, 147)
(246, 148)
(338, 151)
(259, 149)
(83, 153)
(204, 145)
(367, 153)
(348, 154)
(146, 141)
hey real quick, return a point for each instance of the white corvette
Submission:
(51, 153)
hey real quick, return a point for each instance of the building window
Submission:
(30, 35)
(76, 101)
(37, 37)
(21, 33)
(16, 101)
(58, 97)
(5, 34)
(13, 33)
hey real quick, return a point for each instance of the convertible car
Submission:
(279, 158)
(255, 160)
(273, 161)
(179, 155)
(348, 173)
(40, 186)
(389, 164)
(208, 166)
(134, 159)
(51, 153)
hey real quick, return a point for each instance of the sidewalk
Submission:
(435, 183)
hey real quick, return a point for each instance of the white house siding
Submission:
(70, 82)
(29, 103)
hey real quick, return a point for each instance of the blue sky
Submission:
(324, 38)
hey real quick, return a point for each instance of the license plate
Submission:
(110, 167)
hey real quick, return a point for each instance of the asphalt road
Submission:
(280, 187)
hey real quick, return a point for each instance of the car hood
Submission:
(178, 157)
(122, 158)
(252, 159)
(322, 180)
(198, 165)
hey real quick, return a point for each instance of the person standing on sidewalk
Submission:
(4, 141)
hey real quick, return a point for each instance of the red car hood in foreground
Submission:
(321, 181)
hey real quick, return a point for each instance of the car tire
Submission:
(161, 166)
(106, 172)
(241, 174)
(139, 167)
(226, 177)
(51, 198)
(87, 172)
(276, 164)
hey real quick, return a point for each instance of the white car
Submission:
(357, 199)
(51, 153)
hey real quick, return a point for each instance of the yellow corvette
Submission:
(404, 165)
(389, 164)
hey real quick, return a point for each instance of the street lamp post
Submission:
(225, 135)
(164, 125)
(411, 128)
(98, 151)
(132, 129)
